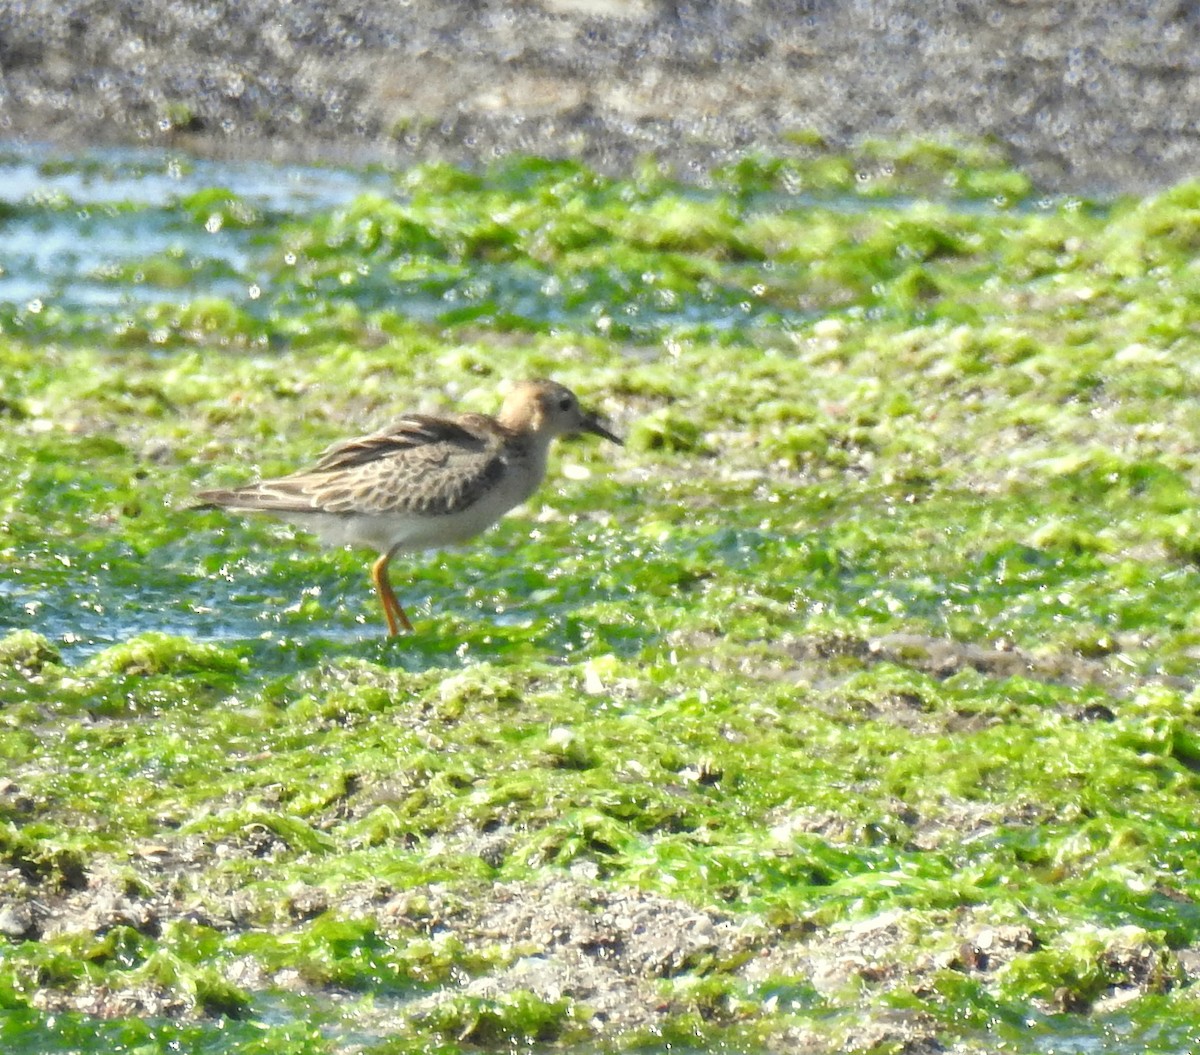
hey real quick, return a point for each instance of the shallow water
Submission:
(72, 223)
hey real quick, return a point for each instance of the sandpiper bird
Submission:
(424, 481)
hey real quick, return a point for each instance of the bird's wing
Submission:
(409, 433)
(421, 465)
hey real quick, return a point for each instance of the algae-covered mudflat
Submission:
(848, 708)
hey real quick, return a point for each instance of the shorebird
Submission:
(424, 481)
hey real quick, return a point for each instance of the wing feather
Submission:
(421, 465)
(407, 433)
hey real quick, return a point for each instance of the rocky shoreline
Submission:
(1085, 96)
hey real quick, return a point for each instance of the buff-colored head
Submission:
(549, 409)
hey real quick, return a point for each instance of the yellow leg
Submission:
(392, 611)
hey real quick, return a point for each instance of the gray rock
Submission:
(1085, 95)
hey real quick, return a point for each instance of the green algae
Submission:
(27, 651)
(877, 639)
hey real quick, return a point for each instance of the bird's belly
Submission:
(400, 530)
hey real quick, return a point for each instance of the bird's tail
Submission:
(268, 497)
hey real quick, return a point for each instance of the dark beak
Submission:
(591, 423)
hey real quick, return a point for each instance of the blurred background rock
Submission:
(1086, 96)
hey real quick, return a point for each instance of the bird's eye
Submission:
(566, 403)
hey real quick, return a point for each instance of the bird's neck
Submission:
(533, 451)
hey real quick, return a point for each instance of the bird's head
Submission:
(549, 409)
